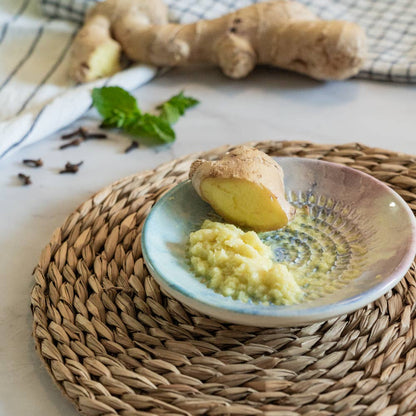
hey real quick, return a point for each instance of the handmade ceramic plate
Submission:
(374, 224)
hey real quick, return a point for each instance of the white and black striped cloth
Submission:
(37, 98)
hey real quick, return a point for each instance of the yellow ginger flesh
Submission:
(104, 61)
(238, 264)
(244, 203)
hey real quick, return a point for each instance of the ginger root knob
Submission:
(245, 187)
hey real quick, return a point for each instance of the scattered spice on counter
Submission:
(75, 142)
(71, 167)
(132, 146)
(99, 136)
(83, 136)
(24, 178)
(72, 134)
(33, 163)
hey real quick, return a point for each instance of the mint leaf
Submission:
(151, 126)
(115, 105)
(119, 109)
(170, 113)
(175, 107)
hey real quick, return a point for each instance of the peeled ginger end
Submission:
(244, 203)
(105, 60)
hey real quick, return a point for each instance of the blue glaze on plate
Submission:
(380, 213)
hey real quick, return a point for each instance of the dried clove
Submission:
(84, 134)
(133, 145)
(77, 132)
(75, 142)
(95, 136)
(33, 163)
(71, 167)
(24, 178)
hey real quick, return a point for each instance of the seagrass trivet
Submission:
(115, 344)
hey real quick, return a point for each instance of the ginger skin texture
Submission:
(245, 187)
(279, 33)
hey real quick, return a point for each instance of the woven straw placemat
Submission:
(115, 344)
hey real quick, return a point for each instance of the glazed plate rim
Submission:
(280, 315)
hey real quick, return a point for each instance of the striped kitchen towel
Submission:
(37, 98)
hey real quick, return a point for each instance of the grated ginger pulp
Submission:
(237, 264)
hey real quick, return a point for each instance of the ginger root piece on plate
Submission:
(245, 187)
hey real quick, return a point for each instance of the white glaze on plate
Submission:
(380, 214)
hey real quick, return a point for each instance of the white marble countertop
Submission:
(268, 105)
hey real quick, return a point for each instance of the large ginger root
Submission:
(279, 33)
(245, 187)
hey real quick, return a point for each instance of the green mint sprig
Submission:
(119, 109)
